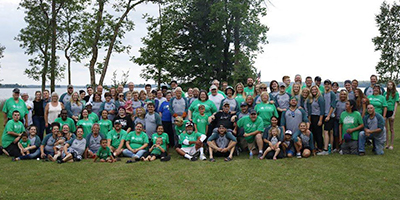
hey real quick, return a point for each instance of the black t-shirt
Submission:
(86, 98)
(126, 122)
(224, 119)
(38, 109)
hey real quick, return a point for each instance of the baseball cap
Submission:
(213, 87)
(89, 104)
(189, 123)
(226, 103)
(243, 104)
(347, 137)
(16, 90)
(117, 121)
(70, 86)
(282, 85)
(253, 111)
(229, 88)
(288, 132)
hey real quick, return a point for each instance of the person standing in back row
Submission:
(330, 106)
(15, 103)
(250, 87)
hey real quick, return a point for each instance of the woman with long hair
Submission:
(316, 112)
(392, 98)
(361, 101)
(240, 94)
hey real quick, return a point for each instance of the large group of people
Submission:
(290, 120)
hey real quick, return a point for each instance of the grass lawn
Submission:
(326, 177)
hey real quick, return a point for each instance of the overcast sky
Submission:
(332, 39)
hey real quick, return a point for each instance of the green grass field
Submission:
(327, 177)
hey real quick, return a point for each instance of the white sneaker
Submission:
(203, 157)
(323, 153)
(341, 152)
(334, 151)
(298, 155)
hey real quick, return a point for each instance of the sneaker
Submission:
(341, 152)
(194, 158)
(361, 154)
(59, 161)
(259, 155)
(203, 157)
(166, 158)
(298, 155)
(323, 153)
(335, 151)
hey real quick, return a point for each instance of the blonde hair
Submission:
(311, 97)
(236, 91)
(292, 92)
(143, 112)
(78, 101)
(274, 128)
(264, 93)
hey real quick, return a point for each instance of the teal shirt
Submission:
(379, 102)
(11, 126)
(391, 101)
(10, 106)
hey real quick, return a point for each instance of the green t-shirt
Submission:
(191, 137)
(11, 126)
(201, 122)
(239, 98)
(289, 89)
(104, 153)
(350, 120)
(105, 126)
(165, 140)
(266, 111)
(136, 141)
(179, 129)
(391, 101)
(379, 102)
(322, 89)
(250, 126)
(116, 137)
(10, 106)
(86, 125)
(25, 144)
(70, 122)
(209, 106)
(249, 92)
(92, 116)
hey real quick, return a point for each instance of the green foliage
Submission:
(196, 41)
(121, 81)
(388, 42)
(2, 48)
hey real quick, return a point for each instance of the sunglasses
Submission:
(263, 88)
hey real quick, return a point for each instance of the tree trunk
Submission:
(95, 50)
(160, 61)
(114, 38)
(45, 68)
(53, 46)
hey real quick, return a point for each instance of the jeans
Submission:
(38, 121)
(33, 155)
(379, 144)
(128, 153)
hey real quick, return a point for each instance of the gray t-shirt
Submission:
(274, 140)
(282, 101)
(76, 109)
(329, 98)
(49, 144)
(79, 145)
(293, 119)
(96, 107)
(178, 105)
(351, 95)
(372, 124)
(94, 142)
(66, 98)
(340, 107)
(305, 140)
(233, 105)
(151, 124)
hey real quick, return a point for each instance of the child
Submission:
(129, 103)
(140, 117)
(288, 145)
(58, 146)
(104, 153)
(24, 143)
(201, 120)
(105, 124)
(273, 142)
(156, 151)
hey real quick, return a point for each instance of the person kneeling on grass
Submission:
(288, 145)
(191, 143)
(274, 142)
(303, 141)
(104, 153)
(374, 128)
(74, 149)
(222, 144)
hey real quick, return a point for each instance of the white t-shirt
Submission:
(216, 99)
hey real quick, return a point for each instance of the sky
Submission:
(332, 39)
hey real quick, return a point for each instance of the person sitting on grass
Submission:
(303, 141)
(374, 128)
(46, 148)
(190, 143)
(12, 134)
(115, 139)
(58, 146)
(93, 141)
(222, 144)
(274, 143)
(288, 145)
(74, 149)
(156, 151)
(136, 143)
(23, 144)
(33, 148)
(104, 153)
(165, 141)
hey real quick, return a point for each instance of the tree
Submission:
(121, 81)
(103, 31)
(2, 48)
(388, 42)
(196, 41)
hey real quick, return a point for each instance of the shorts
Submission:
(190, 150)
(328, 126)
(252, 145)
(389, 114)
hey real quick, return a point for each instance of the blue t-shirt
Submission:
(164, 110)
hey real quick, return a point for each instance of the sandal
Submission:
(212, 160)
(227, 159)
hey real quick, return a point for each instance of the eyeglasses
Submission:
(263, 88)
(121, 95)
